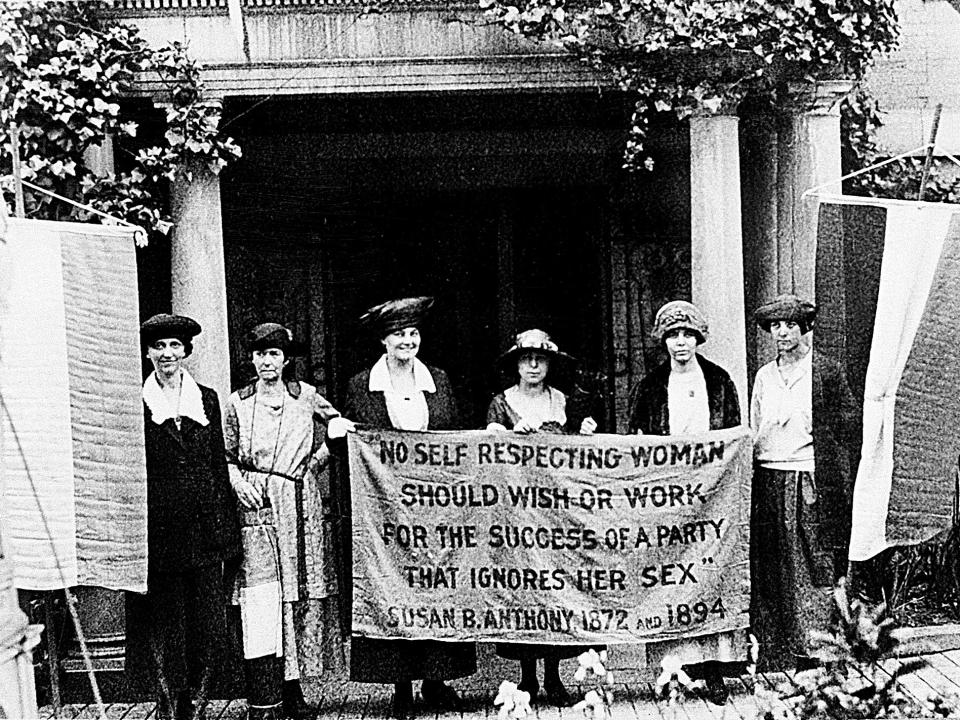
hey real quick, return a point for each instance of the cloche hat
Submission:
(680, 315)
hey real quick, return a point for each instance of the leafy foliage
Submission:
(860, 119)
(687, 56)
(850, 682)
(64, 67)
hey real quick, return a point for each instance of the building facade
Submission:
(412, 148)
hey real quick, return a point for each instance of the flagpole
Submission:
(17, 179)
(928, 160)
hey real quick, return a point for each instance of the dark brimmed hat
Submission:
(539, 341)
(789, 308)
(274, 335)
(163, 326)
(394, 315)
(680, 315)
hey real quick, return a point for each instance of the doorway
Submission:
(497, 262)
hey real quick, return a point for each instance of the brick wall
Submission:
(924, 71)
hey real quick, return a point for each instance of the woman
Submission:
(532, 405)
(689, 394)
(274, 432)
(399, 391)
(177, 632)
(805, 422)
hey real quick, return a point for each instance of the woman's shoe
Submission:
(531, 686)
(186, 709)
(437, 695)
(716, 691)
(557, 694)
(164, 709)
(295, 706)
(402, 700)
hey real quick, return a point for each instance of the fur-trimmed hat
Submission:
(680, 315)
(165, 325)
(789, 308)
(394, 315)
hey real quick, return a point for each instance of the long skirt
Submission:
(393, 661)
(177, 632)
(793, 572)
(312, 641)
(315, 646)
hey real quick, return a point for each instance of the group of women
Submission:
(242, 513)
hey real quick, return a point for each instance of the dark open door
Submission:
(496, 262)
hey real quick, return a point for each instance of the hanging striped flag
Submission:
(72, 463)
(888, 290)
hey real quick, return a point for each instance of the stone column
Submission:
(198, 275)
(716, 257)
(808, 156)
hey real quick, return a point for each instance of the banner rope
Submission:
(139, 234)
(70, 600)
(861, 171)
(955, 160)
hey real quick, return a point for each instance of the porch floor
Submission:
(634, 698)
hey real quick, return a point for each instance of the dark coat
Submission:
(837, 418)
(370, 408)
(192, 530)
(649, 406)
(393, 661)
(191, 510)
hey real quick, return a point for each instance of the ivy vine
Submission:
(687, 56)
(64, 67)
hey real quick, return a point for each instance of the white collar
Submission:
(191, 401)
(380, 377)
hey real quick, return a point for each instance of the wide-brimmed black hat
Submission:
(274, 335)
(789, 308)
(164, 325)
(394, 315)
(560, 362)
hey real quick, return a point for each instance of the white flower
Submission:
(515, 703)
(590, 660)
(672, 669)
(592, 705)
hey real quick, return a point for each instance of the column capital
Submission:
(727, 107)
(820, 97)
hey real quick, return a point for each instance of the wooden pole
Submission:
(53, 658)
(928, 160)
(17, 179)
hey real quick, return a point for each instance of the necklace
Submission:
(403, 393)
(176, 414)
(276, 444)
